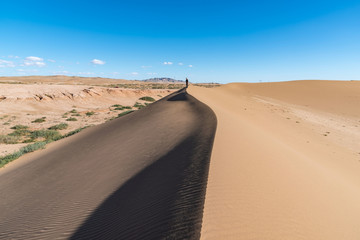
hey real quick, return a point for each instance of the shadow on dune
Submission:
(164, 200)
(181, 96)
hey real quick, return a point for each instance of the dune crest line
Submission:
(140, 176)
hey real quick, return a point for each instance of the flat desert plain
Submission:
(285, 162)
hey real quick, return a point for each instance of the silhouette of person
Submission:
(187, 82)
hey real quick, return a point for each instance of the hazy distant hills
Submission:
(162, 80)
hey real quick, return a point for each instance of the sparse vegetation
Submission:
(122, 108)
(60, 126)
(29, 148)
(116, 105)
(9, 139)
(125, 113)
(90, 113)
(73, 111)
(138, 105)
(76, 115)
(74, 132)
(48, 135)
(19, 127)
(39, 120)
(71, 119)
(147, 98)
(147, 86)
(19, 132)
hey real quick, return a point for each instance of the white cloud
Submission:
(12, 56)
(4, 63)
(97, 62)
(151, 73)
(61, 72)
(86, 73)
(168, 63)
(51, 60)
(134, 73)
(27, 70)
(31, 63)
(181, 64)
(34, 61)
(190, 65)
(145, 67)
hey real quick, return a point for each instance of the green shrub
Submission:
(60, 126)
(19, 127)
(32, 147)
(71, 119)
(35, 146)
(122, 108)
(73, 111)
(147, 98)
(29, 148)
(47, 134)
(76, 114)
(90, 113)
(39, 120)
(116, 105)
(74, 132)
(9, 139)
(125, 113)
(138, 105)
(20, 132)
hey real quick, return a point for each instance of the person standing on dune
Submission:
(187, 82)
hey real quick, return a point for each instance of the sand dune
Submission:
(285, 162)
(285, 165)
(142, 176)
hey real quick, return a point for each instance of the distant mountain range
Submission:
(163, 80)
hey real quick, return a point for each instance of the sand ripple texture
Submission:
(142, 176)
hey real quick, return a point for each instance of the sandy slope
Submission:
(285, 162)
(142, 176)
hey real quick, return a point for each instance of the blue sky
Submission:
(207, 41)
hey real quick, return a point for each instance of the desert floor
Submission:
(285, 162)
(75, 105)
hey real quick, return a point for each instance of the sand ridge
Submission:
(273, 173)
(139, 176)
